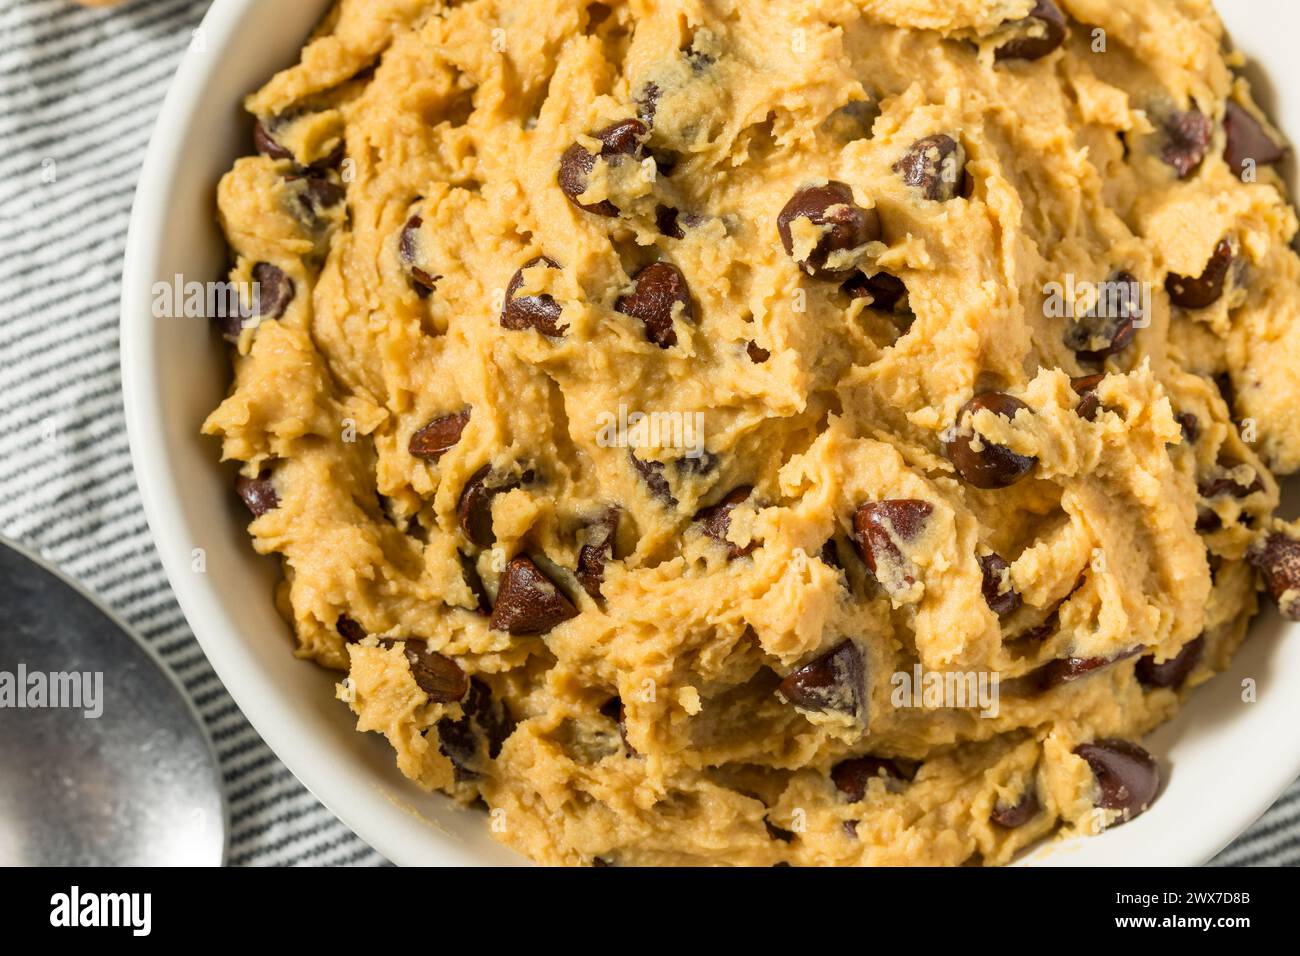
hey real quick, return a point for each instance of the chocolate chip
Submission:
(475, 506)
(852, 776)
(275, 290)
(886, 291)
(666, 222)
(1127, 776)
(1228, 486)
(843, 226)
(1110, 324)
(1066, 670)
(757, 354)
(1248, 140)
(879, 526)
(1190, 425)
(1277, 558)
(331, 160)
(258, 493)
(436, 674)
(318, 193)
(834, 681)
(659, 287)
(1207, 288)
(435, 439)
(1187, 140)
(652, 473)
(540, 312)
(715, 521)
(486, 721)
(992, 466)
(615, 711)
(935, 165)
(1090, 404)
(1018, 814)
(598, 550)
(623, 138)
(1174, 671)
(469, 571)
(528, 602)
(1041, 32)
(993, 567)
(349, 630)
(648, 102)
(265, 144)
(408, 250)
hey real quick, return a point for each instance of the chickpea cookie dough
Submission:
(649, 399)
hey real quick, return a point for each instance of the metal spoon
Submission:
(136, 785)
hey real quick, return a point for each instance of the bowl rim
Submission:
(362, 804)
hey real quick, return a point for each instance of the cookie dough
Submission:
(805, 432)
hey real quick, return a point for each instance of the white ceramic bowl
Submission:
(1225, 761)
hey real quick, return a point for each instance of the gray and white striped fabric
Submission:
(79, 91)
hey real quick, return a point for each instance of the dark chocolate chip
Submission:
(1111, 324)
(1277, 558)
(266, 145)
(408, 247)
(528, 602)
(435, 439)
(598, 549)
(1248, 140)
(992, 466)
(623, 138)
(1127, 776)
(1206, 289)
(617, 712)
(486, 723)
(1017, 815)
(540, 312)
(659, 287)
(475, 506)
(1001, 603)
(1066, 670)
(1227, 486)
(843, 224)
(275, 290)
(715, 521)
(1090, 404)
(1039, 34)
(757, 354)
(349, 630)
(834, 681)
(319, 194)
(934, 165)
(887, 292)
(1190, 425)
(258, 493)
(878, 526)
(648, 102)
(852, 776)
(1187, 140)
(652, 473)
(1174, 671)
(436, 674)
(469, 571)
(667, 224)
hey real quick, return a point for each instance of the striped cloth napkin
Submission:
(79, 92)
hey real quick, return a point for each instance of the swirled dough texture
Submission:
(409, 168)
